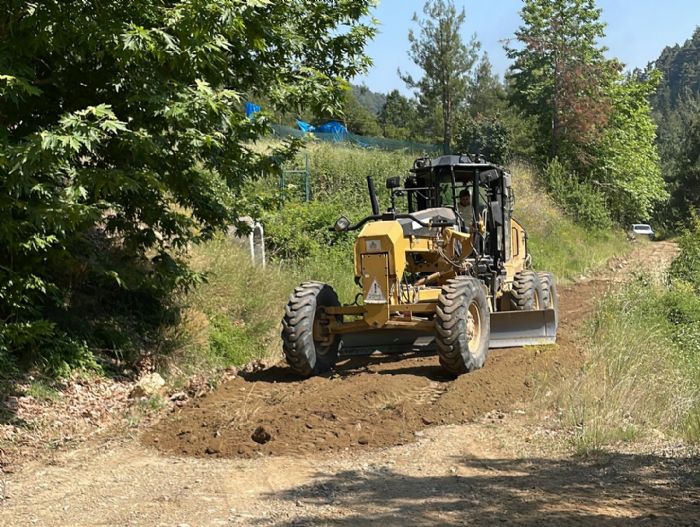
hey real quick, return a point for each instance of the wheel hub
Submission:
(473, 325)
(322, 335)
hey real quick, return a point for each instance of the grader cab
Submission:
(441, 276)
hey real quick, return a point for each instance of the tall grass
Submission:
(639, 377)
(235, 315)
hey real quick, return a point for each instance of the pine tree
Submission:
(487, 96)
(398, 116)
(446, 62)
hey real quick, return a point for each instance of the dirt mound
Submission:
(374, 402)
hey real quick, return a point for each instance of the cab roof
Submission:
(459, 162)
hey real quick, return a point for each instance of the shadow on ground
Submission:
(608, 491)
(348, 366)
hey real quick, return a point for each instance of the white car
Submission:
(641, 229)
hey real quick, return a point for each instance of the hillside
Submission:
(677, 115)
(370, 100)
(680, 67)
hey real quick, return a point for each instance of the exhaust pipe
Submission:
(373, 196)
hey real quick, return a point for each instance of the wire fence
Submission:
(380, 143)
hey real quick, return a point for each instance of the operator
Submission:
(464, 207)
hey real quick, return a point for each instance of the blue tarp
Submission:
(335, 128)
(332, 127)
(251, 109)
(305, 127)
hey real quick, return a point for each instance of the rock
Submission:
(261, 435)
(426, 421)
(254, 366)
(148, 386)
(363, 440)
(211, 451)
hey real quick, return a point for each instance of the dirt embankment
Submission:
(377, 402)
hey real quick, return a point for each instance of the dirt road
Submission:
(380, 441)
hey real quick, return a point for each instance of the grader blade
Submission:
(387, 341)
(512, 329)
(509, 329)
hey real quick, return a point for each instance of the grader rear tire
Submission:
(462, 325)
(550, 298)
(527, 293)
(308, 350)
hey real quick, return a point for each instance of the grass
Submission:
(42, 391)
(235, 316)
(639, 377)
(642, 369)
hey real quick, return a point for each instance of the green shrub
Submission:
(487, 136)
(302, 230)
(578, 199)
(686, 267)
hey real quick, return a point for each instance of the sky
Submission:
(637, 31)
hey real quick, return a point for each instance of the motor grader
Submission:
(433, 278)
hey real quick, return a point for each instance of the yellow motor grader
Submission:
(439, 277)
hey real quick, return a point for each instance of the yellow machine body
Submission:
(383, 254)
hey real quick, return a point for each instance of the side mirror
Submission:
(393, 182)
(488, 177)
(341, 224)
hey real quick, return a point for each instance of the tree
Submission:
(559, 73)
(626, 166)
(446, 62)
(398, 116)
(487, 96)
(123, 140)
(685, 184)
(676, 107)
(358, 119)
(488, 136)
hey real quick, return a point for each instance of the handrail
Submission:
(390, 216)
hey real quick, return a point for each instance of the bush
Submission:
(489, 137)
(578, 199)
(299, 231)
(686, 267)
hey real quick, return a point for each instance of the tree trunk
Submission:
(553, 146)
(446, 117)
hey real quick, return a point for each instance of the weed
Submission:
(43, 391)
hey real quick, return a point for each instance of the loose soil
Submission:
(494, 459)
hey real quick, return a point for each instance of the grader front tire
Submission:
(308, 350)
(550, 298)
(462, 325)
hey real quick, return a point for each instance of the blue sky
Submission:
(637, 31)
